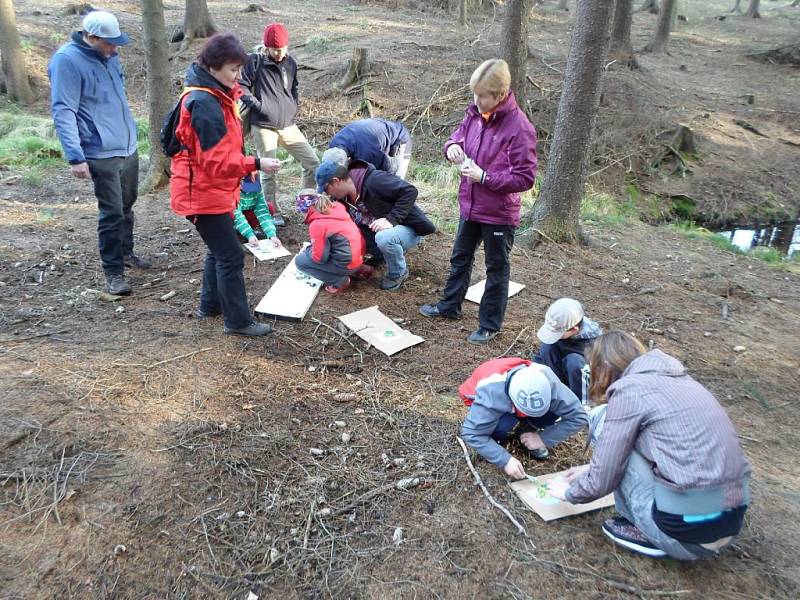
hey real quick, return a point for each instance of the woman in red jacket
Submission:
(204, 186)
(495, 146)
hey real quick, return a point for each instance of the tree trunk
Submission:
(556, 213)
(159, 99)
(197, 22)
(752, 10)
(650, 6)
(515, 46)
(357, 67)
(462, 13)
(16, 75)
(562, 5)
(735, 8)
(661, 38)
(621, 47)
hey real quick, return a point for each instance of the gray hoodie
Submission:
(492, 401)
(679, 428)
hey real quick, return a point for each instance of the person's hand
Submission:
(558, 487)
(380, 224)
(455, 154)
(276, 243)
(531, 440)
(81, 170)
(514, 469)
(575, 472)
(270, 165)
(252, 241)
(472, 171)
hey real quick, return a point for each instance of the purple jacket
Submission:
(504, 147)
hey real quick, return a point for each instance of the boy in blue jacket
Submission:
(505, 392)
(566, 336)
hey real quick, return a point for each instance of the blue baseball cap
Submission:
(103, 24)
(325, 172)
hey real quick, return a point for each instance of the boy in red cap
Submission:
(269, 81)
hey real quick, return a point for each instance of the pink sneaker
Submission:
(621, 531)
(335, 290)
(363, 273)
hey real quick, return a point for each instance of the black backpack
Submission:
(170, 144)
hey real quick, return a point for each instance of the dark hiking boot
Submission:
(137, 262)
(116, 284)
(252, 330)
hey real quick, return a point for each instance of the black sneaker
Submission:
(621, 531)
(201, 314)
(539, 453)
(116, 284)
(481, 336)
(131, 260)
(433, 310)
(394, 283)
(252, 330)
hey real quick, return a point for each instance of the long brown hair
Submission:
(609, 356)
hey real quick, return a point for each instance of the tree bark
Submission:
(159, 99)
(197, 22)
(515, 46)
(650, 6)
(735, 8)
(562, 5)
(462, 13)
(660, 40)
(752, 10)
(621, 48)
(16, 74)
(556, 213)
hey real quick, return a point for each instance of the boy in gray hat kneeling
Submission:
(506, 392)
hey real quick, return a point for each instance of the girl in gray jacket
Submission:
(668, 451)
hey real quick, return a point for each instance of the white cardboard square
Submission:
(266, 251)
(475, 292)
(548, 507)
(372, 326)
(291, 295)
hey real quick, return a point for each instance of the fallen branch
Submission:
(33, 337)
(162, 362)
(486, 493)
(401, 484)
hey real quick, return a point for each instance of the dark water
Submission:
(784, 237)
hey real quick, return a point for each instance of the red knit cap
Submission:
(276, 36)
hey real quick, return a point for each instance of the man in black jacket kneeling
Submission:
(385, 209)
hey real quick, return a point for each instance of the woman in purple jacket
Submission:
(495, 146)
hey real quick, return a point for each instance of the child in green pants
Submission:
(251, 198)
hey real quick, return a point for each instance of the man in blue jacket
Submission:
(98, 134)
(384, 144)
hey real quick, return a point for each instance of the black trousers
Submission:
(497, 243)
(223, 287)
(116, 186)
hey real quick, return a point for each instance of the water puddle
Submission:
(784, 237)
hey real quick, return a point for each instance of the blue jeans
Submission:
(508, 421)
(223, 278)
(393, 244)
(116, 186)
(634, 498)
(569, 368)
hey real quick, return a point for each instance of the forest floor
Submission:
(144, 454)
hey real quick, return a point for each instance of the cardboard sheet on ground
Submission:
(372, 326)
(475, 292)
(290, 296)
(534, 494)
(266, 251)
